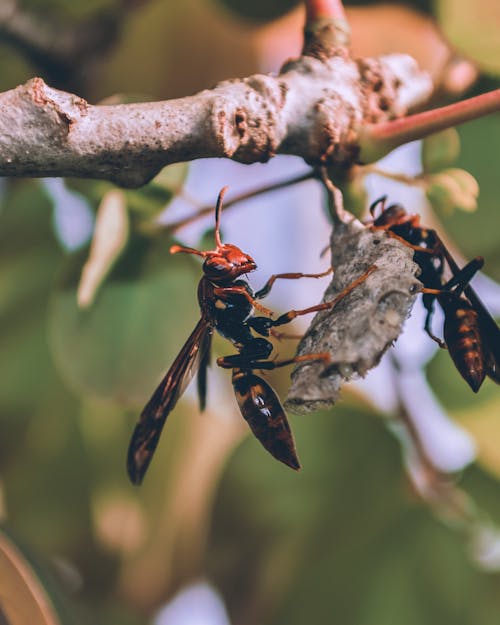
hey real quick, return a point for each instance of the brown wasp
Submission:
(227, 304)
(470, 332)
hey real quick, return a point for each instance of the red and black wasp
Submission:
(470, 332)
(227, 304)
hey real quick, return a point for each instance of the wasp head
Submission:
(392, 215)
(226, 263)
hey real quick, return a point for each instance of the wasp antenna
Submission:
(176, 249)
(381, 200)
(218, 209)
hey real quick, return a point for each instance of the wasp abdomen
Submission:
(463, 338)
(265, 415)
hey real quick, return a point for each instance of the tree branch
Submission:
(311, 109)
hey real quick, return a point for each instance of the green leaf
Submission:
(440, 150)
(71, 10)
(144, 203)
(472, 28)
(477, 233)
(29, 259)
(355, 196)
(15, 69)
(452, 189)
(39, 434)
(118, 349)
(451, 389)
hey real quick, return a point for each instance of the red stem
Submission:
(379, 139)
(320, 9)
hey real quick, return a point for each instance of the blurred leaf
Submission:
(111, 232)
(71, 9)
(118, 349)
(355, 196)
(40, 439)
(472, 28)
(29, 259)
(144, 203)
(23, 598)
(14, 68)
(478, 233)
(152, 199)
(452, 189)
(343, 541)
(484, 425)
(172, 178)
(260, 10)
(483, 486)
(440, 150)
(452, 390)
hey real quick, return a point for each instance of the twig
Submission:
(209, 209)
(326, 31)
(335, 201)
(379, 139)
(321, 9)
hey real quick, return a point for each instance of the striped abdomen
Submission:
(463, 338)
(265, 415)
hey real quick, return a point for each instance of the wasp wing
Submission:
(263, 412)
(490, 333)
(147, 431)
(205, 350)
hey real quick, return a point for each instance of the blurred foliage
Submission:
(29, 591)
(440, 150)
(261, 10)
(346, 540)
(452, 189)
(472, 28)
(73, 10)
(14, 68)
(117, 359)
(145, 203)
(475, 233)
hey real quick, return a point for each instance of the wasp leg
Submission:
(239, 361)
(292, 314)
(429, 305)
(288, 276)
(222, 291)
(463, 276)
(285, 335)
(255, 350)
(460, 280)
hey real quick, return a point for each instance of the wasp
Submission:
(227, 305)
(470, 333)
